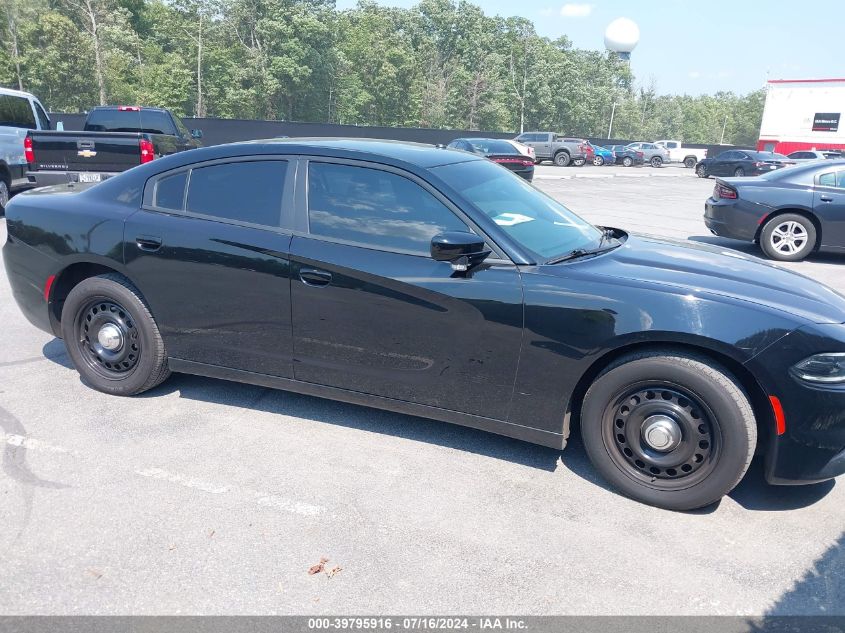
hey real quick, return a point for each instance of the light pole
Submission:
(610, 127)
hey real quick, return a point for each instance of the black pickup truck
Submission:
(113, 139)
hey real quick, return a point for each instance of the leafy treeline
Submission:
(443, 63)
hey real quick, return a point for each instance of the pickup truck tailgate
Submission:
(86, 151)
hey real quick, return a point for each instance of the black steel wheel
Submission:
(111, 336)
(671, 429)
(661, 434)
(107, 338)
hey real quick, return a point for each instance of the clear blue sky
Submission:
(694, 47)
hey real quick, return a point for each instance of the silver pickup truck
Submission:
(19, 113)
(562, 150)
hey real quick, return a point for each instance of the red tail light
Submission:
(525, 162)
(721, 191)
(147, 150)
(128, 108)
(29, 155)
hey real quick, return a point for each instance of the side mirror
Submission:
(462, 248)
(196, 133)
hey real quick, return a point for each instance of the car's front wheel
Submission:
(701, 171)
(788, 238)
(598, 161)
(579, 162)
(112, 338)
(671, 429)
(4, 194)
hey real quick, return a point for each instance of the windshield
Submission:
(535, 221)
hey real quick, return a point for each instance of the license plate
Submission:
(90, 177)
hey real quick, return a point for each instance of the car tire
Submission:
(562, 159)
(656, 161)
(739, 172)
(5, 194)
(789, 237)
(689, 162)
(701, 172)
(692, 405)
(579, 162)
(107, 310)
(627, 161)
(598, 161)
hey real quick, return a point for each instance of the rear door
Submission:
(722, 164)
(373, 313)
(829, 205)
(209, 254)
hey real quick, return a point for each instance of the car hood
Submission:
(705, 269)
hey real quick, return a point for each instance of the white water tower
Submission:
(621, 37)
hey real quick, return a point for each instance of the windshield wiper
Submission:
(607, 234)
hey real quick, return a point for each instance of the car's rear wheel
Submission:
(788, 238)
(739, 172)
(112, 338)
(627, 161)
(671, 429)
(562, 159)
(656, 161)
(579, 162)
(689, 162)
(598, 161)
(701, 171)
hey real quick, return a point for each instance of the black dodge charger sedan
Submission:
(435, 283)
(741, 162)
(790, 213)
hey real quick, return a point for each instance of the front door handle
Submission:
(149, 243)
(825, 198)
(314, 277)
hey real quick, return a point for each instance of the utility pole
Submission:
(610, 127)
(722, 140)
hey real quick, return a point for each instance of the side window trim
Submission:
(285, 226)
(301, 224)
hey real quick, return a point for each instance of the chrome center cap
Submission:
(661, 433)
(110, 337)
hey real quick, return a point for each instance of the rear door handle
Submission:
(314, 277)
(149, 243)
(825, 198)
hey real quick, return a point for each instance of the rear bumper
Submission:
(736, 219)
(28, 270)
(46, 178)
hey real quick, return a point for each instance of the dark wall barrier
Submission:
(216, 131)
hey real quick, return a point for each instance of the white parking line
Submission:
(32, 444)
(261, 498)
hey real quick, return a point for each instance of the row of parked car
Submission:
(533, 148)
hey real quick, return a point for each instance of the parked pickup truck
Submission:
(113, 139)
(679, 154)
(19, 112)
(560, 149)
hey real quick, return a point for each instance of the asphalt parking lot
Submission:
(216, 498)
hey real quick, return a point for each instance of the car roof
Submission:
(117, 107)
(16, 93)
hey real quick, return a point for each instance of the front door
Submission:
(213, 264)
(373, 313)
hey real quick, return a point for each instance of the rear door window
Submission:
(16, 112)
(218, 191)
(375, 208)
(170, 192)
